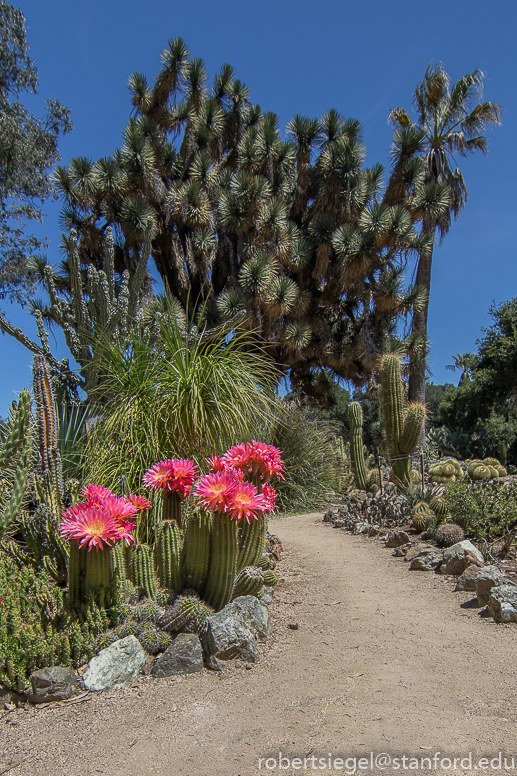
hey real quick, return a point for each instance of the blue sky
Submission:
(361, 57)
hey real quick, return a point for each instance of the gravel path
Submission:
(379, 659)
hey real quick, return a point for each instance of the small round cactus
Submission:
(419, 521)
(105, 639)
(147, 611)
(449, 534)
(270, 578)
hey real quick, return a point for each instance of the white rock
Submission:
(116, 666)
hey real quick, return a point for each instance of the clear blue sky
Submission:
(362, 57)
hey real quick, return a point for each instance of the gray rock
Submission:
(339, 523)
(467, 581)
(234, 631)
(502, 603)
(459, 557)
(426, 560)
(360, 527)
(400, 552)
(416, 548)
(328, 517)
(183, 656)
(374, 530)
(52, 684)
(116, 666)
(485, 580)
(267, 595)
(397, 539)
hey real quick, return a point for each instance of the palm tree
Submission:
(450, 120)
(464, 362)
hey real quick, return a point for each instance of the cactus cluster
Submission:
(445, 471)
(403, 424)
(36, 629)
(14, 460)
(187, 615)
(487, 469)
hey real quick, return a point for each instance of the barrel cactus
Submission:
(449, 534)
(249, 581)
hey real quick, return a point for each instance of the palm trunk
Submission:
(416, 390)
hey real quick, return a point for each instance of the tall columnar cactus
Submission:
(50, 459)
(76, 573)
(99, 575)
(403, 426)
(223, 561)
(249, 581)
(355, 422)
(197, 550)
(143, 573)
(252, 537)
(168, 555)
(15, 454)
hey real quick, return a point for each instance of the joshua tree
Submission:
(288, 239)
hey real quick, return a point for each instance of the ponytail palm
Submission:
(183, 393)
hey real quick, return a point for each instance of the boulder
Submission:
(467, 581)
(426, 560)
(502, 603)
(374, 530)
(415, 550)
(52, 684)
(183, 656)
(235, 630)
(459, 557)
(400, 552)
(485, 580)
(338, 523)
(360, 527)
(266, 597)
(397, 538)
(116, 666)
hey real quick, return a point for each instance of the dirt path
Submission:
(383, 660)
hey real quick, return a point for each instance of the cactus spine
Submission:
(249, 581)
(197, 550)
(223, 561)
(168, 553)
(142, 570)
(355, 422)
(402, 431)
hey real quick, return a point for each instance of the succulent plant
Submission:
(402, 429)
(104, 640)
(197, 549)
(419, 521)
(143, 572)
(270, 578)
(249, 581)
(449, 534)
(264, 563)
(147, 611)
(355, 423)
(187, 615)
(168, 554)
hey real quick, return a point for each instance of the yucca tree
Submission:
(287, 238)
(450, 120)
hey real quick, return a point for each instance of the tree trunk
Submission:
(416, 390)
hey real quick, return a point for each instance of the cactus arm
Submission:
(251, 543)
(412, 429)
(197, 550)
(223, 561)
(168, 554)
(18, 427)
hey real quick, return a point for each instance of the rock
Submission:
(467, 580)
(374, 530)
(339, 523)
(484, 582)
(148, 665)
(502, 603)
(52, 684)
(328, 517)
(234, 631)
(183, 656)
(426, 560)
(360, 527)
(400, 552)
(267, 595)
(116, 666)
(458, 557)
(397, 539)
(416, 549)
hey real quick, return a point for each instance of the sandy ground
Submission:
(383, 660)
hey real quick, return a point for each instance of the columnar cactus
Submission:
(143, 573)
(168, 554)
(197, 550)
(355, 422)
(403, 428)
(252, 537)
(223, 561)
(15, 453)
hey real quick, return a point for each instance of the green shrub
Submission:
(488, 509)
